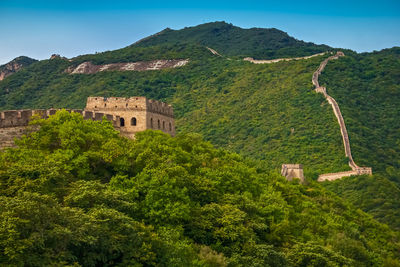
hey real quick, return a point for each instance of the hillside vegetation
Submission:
(76, 193)
(269, 112)
(15, 65)
(374, 194)
(230, 40)
(367, 88)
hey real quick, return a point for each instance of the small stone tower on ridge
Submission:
(291, 171)
(135, 114)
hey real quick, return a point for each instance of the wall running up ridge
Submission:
(356, 170)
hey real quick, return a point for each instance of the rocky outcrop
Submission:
(214, 52)
(57, 56)
(90, 68)
(346, 142)
(15, 65)
(269, 61)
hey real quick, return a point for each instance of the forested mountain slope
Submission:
(268, 112)
(77, 193)
(230, 40)
(367, 88)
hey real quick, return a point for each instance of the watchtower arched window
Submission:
(170, 127)
(133, 121)
(163, 125)
(151, 123)
(122, 122)
(159, 124)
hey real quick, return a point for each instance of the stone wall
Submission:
(291, 171)
(15, 123)
(136, 114)
(356, 170)
(338, 175)
(269, 61)
(8, 134)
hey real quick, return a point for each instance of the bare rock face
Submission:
(14, 66)
(9, 69)
(90, 68)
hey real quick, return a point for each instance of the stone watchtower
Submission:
(291, 171)
(135, 114)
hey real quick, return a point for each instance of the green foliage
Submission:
(94, 198)
(369, 82)
(230, 40)
(22, 60)
(375, 194)
(267, 112)
(209, 97)
(366, 86)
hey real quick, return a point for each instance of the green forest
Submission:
(212, 196)
(76, 193)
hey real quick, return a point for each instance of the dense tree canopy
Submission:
(76, 193)
(267, 112)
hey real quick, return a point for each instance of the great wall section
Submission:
(141, 113)
(291, 171)
(269, 61)
(356, 170)
(127, 115)
(15, 123)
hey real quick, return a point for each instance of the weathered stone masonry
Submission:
(291, 171)
(136, 114)
(128, 115)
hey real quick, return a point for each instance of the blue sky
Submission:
(40, 28)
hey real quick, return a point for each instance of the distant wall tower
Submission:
(136, 114)
(291, 171)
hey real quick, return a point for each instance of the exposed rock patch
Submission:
(90, 68)
(14, 66)
(214, 52)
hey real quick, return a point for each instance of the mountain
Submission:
(15, 65)
(231, 41)
(267, 112)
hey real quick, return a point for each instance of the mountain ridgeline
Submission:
(15, 65)
(268, 113)
(233, 41)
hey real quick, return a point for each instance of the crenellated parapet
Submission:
(18, 118)
(137, 103)
(160, 108)
(136, 113)
(14, 123)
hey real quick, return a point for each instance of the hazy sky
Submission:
(39, 28)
